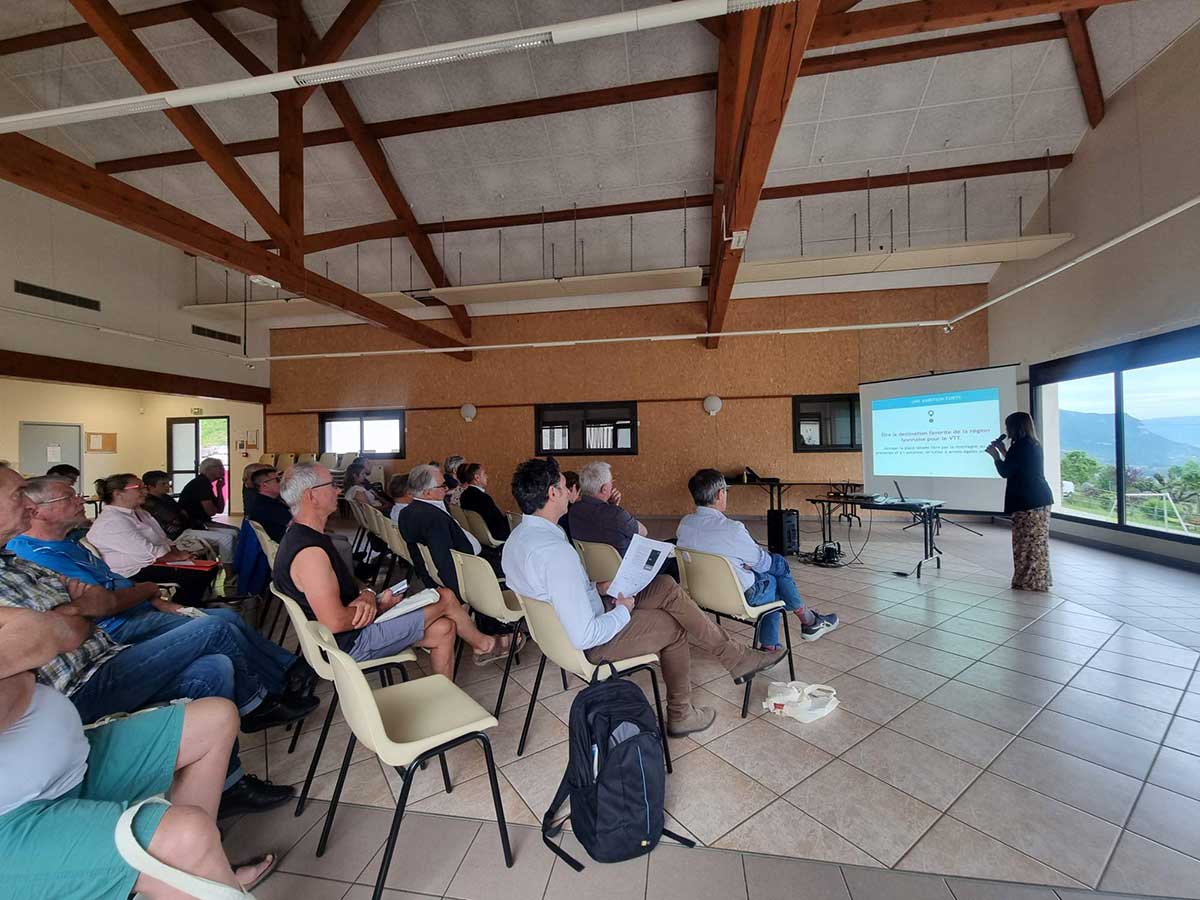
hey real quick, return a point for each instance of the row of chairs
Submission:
(335, 462)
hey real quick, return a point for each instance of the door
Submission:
(44, 445)
(191, 439)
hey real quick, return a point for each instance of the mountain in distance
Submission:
(1185, 429)
(1145, 447)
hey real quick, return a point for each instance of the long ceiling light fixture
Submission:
(366, 67)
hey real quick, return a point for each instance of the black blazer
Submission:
(1023, 467)
(422, 523)
(481, 502)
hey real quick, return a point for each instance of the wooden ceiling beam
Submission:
(1080, 43)
(341, 237)
(631, 93)
(376, 161)
(781, 43)
(289, 43)
(337, 39)
(146, 18)
(202, 12)
(141, 64)
(35, 167)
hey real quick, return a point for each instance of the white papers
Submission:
(408, 604)
(95, 442)
(54, 453)
(642, 562)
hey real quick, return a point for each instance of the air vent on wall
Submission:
(45, 293)
(216, 335)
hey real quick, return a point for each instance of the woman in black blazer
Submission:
(1027, 499)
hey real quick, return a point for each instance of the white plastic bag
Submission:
(802, 702)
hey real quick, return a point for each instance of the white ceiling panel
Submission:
(498, 142)
(686, 117)
(494, 79)
(588, 130)
(871, 137)
(1051, 114)
(399, 95)
(589, 173)
(861, 92)
(550, 12)
(336, 162)
(674, 161)
(443, 21)
(433, 150)
(532, 182)
(985, 74)
(670, 52)
(805, 104)
(582, 66)
(793, 149)
(970, 124)
(1057, 69)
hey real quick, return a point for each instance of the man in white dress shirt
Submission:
(539, 563)
(764, 576)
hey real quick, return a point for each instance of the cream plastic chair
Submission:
(269, 549)
(405, 725)
(345, 459)
(600, 560)
(306, 458)
(267, 459)
(480, 590)
(714, 586)
(551, 637)
(514, 519)
(459, 515)
(285, 461)
(360, 520)
(397, 545)
(427, 558)
(311, 649)
(328, 460)
(478, 527)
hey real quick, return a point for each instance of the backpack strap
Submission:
(551, 829)
(678, 838)
(613, 673)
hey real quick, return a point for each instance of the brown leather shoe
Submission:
(753, 662)
(698, 719)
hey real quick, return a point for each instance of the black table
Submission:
(924, 512)
(775, 489)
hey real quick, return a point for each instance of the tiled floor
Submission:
(983, 733)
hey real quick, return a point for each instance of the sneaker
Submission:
(753, 662)
(822, 625)
(700, 718)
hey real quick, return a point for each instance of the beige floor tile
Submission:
(869, 884)
(485, 692)
(847, 615)
(366, 892)
(782, 830)
(1072, 635)
(545, 730)
(771, 878)
(483, 875)
(729, 715)
(899, 676)
(365, 785)
(1036, 643)
(885, 624)
(887, 593)
(705, 669)
(275, 831)
(916, 615)
(285, 768)
(952, 848)
(1032, 664)
(357, 835)
(536, 776)
(1177, 771)
(996, 617)
(869, 700)
(1143, 693)
(941, 604)
(1141, 866)
(1016, 685)
(598, 881)
(866, 811)
(864, 599)
(429, 850)
(930, 659)
(678, 873)
(1061, 836)
(1167, 818)
(984, 631)
(1076, 782)
(958, 644)
(983, 706)
(1112, 712)
(1145, 669)
(1175, 656)
(836, 733)
(473, 800)
(1103, 746)
(734, 693)
(841, 657)
(769, 755)
(709, 796)
(1189, 707)
(1184, 734)
(917, 769)
(864, 639)
(971, 741)
(991, 890)
(282, 886)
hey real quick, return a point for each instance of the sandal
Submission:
(499, 650)
(262, 876)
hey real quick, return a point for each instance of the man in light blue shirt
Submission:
(540, 564)
(765, 577)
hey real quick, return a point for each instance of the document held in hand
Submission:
(642, 562)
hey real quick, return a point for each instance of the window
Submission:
(586, 428)
(826, 422)
(1121, 434)
(373, 434)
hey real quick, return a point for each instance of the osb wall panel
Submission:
(754, 376)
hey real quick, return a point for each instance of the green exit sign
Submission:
(197, 411)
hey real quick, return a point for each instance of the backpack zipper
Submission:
(645, 792)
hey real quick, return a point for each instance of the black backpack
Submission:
(615, 778)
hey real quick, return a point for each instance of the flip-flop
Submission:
(258, 861)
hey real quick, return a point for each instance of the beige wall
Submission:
(139, 420)
(756, 377)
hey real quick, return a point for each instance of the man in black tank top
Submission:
(309, 570)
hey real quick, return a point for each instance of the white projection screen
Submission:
(928, 434)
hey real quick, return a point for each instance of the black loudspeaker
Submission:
(783, 531)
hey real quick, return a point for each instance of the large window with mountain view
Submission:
(1121, 433)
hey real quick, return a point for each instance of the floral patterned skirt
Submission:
(1031, 550)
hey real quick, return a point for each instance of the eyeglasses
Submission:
(57, 499)
(315, 486)
(276, 478)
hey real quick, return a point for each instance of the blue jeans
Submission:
(774, 584)
(266, 659)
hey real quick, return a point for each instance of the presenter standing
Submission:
(1027, 499)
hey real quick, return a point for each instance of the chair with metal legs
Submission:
(481, 591)
(714, 587)
(549, 634)
(405, 725)
(311, 650)
(600, 560)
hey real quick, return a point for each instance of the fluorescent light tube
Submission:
(264, 281)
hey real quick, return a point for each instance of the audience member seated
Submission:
(398, 492)
(67, 472)
(269, 511)
(174, 521)
(476, 498)
(454, 495)
(62, 790)
(540, 564)
(204, 497)
(358, 490)
(426, 521)
(309, 570)
(248, 491)
(597, 516)
(135, 546)
(573, 495)
(764, 576)
(450, 469)
(102, 677)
